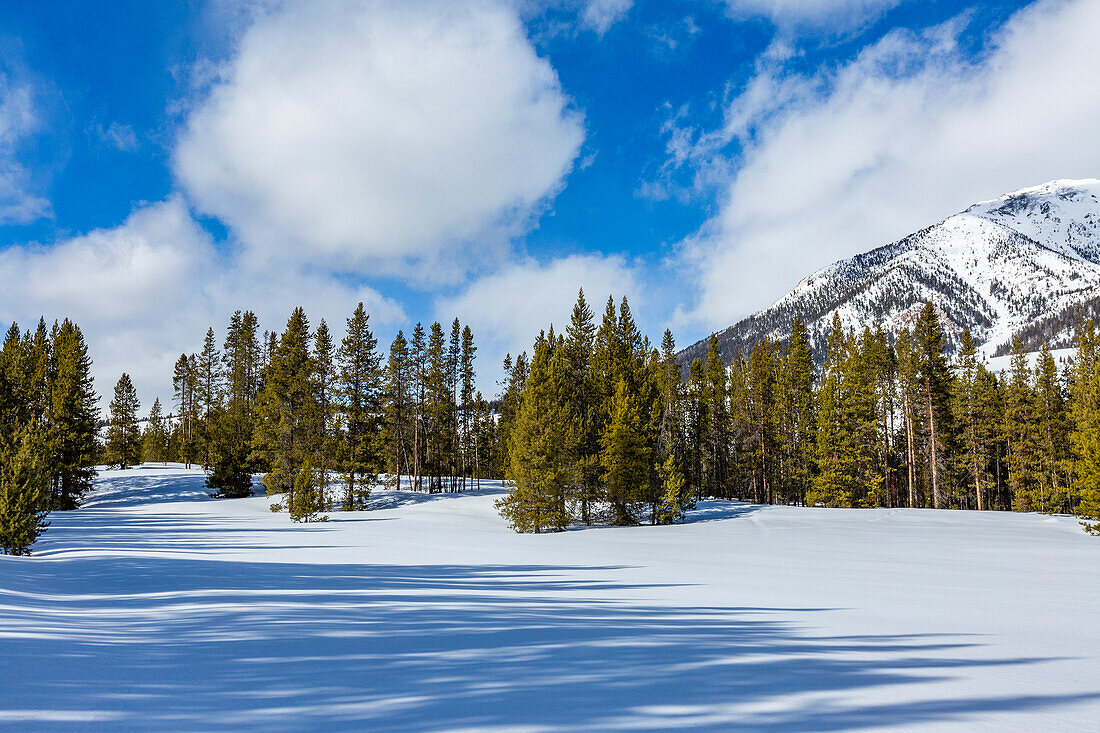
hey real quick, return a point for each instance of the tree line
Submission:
(48, 423)
(600, 426)
(594, 427)
(299, 408)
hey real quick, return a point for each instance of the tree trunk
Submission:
(933, 454)
(911, 457)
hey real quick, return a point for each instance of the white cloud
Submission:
(508, 308)
(147, 290)
(910, 131)
(132, 289)
(836, 15)
(381, 136)
(118, 136)
(18, 120)
(600, 15)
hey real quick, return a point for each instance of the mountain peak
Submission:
(1024, 263)
(1084, 185)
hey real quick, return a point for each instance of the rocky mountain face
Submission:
(1026, 263)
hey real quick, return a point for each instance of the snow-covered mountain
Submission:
(1024, 263)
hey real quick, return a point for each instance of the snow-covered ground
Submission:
(157, 608)
(1001, 364)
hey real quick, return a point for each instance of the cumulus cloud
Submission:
(18, 121)
(600, 15)
(804, 15)
(381, 136)
(911, 130)
(338, 144)
(147, 290)
(508, 308)
(129, 288)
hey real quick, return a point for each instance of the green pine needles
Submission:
(24, 492)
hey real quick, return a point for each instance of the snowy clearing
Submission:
(157, 608)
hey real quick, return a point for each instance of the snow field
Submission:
(157, 608)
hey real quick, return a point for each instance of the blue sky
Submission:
(162, 164)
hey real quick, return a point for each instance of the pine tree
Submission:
(416, 359)
(538, 468)
(243, 358)
(990, 397)
(398, 406)
(72, 420)
(1084, 436)
(230, 428)
(307, 500)
(484, 439)
(25, 361)
(123, 435)
(360, 392)
(451, 444)
(437, 408)
(626, 456)
(40, 375)
(607, 361)
(1051, 435)
(285, 434)
(467, 406)
(862, 366)
(676, 499)
(795, 398)
(716, 425)
(832, 486)
(154, 440)
(970, 405)
(515, 376)
(324, 401)
(24, 492)
(229, 471)
(184, 385)
(671, 426)
(209, 383)
(760, 418)
(882, 362)
(13, 399)
(695, 428)
(909, 393)
(1019, 431)
(934, 384)
(580, 394)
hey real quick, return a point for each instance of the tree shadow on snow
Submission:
(153, 484)
(169, 643)
(381, 498)
(713, 510)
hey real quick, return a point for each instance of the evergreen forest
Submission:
(597, 425)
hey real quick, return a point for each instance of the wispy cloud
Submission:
(911, 130)
(600, 15)
(117, 135)
(801, 16)
(19, 120)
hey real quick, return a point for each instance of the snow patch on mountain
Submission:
(1061, 215)
(1023, 263)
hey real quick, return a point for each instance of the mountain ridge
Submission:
(1023, 263)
